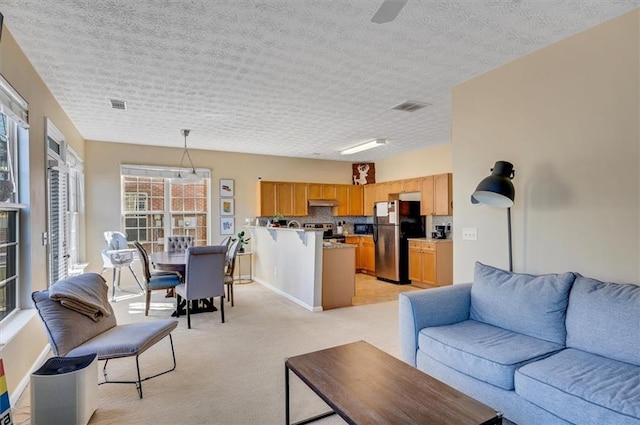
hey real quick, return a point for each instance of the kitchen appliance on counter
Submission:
(440, 233)
(327, 229)
(363, 229)
(394, 222)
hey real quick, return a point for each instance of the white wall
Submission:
(567, 117)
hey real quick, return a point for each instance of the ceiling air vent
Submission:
(410, 106)
(118, 104)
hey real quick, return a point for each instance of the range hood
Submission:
(323, 202)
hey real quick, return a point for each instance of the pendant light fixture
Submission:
(182, 175)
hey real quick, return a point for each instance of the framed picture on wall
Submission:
(227, 226)
(226, 206)
(226, 187)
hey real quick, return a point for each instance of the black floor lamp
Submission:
(497, 191)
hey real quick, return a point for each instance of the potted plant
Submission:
(276, 220)
(242, 240)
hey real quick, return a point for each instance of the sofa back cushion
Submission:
(65, 328)
(523, 303)
(604, 319)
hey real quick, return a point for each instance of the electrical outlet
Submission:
(469, 233)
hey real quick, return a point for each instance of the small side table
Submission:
(241, 257)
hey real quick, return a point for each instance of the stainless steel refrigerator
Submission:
(393, 223)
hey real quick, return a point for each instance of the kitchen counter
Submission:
(337, 245)
(430, 240)
(298, 264)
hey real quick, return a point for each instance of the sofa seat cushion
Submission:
(533, 305)
(602, 318)
(583, 388)
(483, 351)
(131, 339)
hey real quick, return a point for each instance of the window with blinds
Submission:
(65, 206)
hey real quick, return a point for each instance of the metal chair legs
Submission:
(138, 382)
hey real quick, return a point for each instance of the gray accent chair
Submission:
(178, 243)
(156, 280)
(72, 333)
(204, 277)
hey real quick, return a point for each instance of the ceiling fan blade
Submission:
(388, 11)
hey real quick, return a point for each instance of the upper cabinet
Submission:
(266, 201)
(412, 185)
(437, 196)
(393, 187)
(291, 199)
(350, 198)
(443, 200)
(369, 195)
(321, 191)
(286, 198)
(300, 199)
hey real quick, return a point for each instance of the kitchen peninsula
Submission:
(291, 262)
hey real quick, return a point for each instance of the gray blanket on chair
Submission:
(87, 294)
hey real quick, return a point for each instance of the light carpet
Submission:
(233, 372)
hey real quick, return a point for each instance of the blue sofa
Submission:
(547, 349)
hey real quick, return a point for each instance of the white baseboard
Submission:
(287, 296)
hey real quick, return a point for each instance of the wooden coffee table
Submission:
(365, 385)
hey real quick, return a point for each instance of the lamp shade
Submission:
(497, 189)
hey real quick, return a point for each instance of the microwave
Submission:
(363, 229)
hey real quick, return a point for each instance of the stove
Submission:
(327, 228)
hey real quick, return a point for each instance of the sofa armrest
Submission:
(431, 307)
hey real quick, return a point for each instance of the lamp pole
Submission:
(509, 235)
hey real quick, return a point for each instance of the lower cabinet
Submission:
(430, 263)
(365, 254)
(355, 240)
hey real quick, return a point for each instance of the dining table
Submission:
(177, 262)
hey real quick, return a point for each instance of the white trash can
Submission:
(64, 391)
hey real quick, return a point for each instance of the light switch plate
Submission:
(469, 233)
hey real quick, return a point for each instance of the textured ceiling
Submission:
(299, 78)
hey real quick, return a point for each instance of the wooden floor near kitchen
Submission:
(370, 290)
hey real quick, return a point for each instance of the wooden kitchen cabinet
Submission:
(426, 196)
(437, 195)
(412, 185)
(266, 199)
(355, 240)
(367, 255)
(321, 191)
(286, 198)
(382, 192)
(356, 200)
(443, 194)
(369, 198)
(430, 263)
(393, 187)
(349, 200)
(300, 200)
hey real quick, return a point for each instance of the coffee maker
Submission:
(440, 233)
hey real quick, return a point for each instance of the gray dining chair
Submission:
(232, 254)
(204, 277)
(156, 280)
(179, 243)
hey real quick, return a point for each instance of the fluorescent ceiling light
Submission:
(363, 147)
